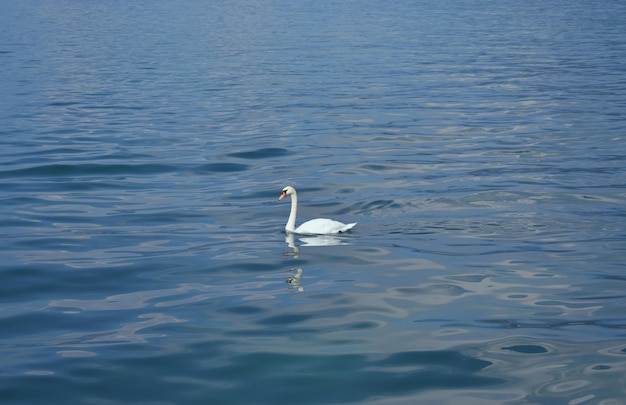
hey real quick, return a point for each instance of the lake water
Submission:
(480, 146)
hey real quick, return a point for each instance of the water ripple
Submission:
(480, 147)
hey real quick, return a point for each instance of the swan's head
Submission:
(287, 191)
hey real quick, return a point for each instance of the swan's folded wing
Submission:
(323, 226)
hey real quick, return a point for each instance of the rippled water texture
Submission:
(479, 145)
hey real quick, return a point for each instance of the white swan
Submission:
(318, 226)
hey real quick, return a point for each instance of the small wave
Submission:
(261, 153)
(221, 168)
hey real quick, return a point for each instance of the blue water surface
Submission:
(480, 146)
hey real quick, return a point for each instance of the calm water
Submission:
(481, 147)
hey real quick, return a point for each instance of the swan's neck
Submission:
(291, 222)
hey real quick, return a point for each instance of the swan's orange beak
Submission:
(282, 195)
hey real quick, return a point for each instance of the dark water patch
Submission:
(32, 156)
(511, 324)
(266, 193)
(38, 280)
(611, 323)
(472, 278)
(245, 310)
(16, 223)
(380, 167)
(19, 389)
(435, 289)
(86, 169)
(369, 207)
(566, 304)
(261, 153)
(332, 379)
(62, 103)
(614, 277)
(245, 267)
(221, 168)
(116, 107)
(284, 319)
(526, 349)
(53, 134)
(24, 201)
(548, 323)
(364, 325)
(54, 185)
(601, 367)
(23, 279)
(155, 218)
(38, 322)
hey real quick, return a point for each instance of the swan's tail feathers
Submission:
(347, 227)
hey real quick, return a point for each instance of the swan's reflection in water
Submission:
(290, 240)
(308, 240)
(321, 240)
(294, 281)
(311, 240)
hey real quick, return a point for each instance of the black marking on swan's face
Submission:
(286, 191)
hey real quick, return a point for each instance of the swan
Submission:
(318, 226)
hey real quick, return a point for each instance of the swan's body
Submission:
(318, 226)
